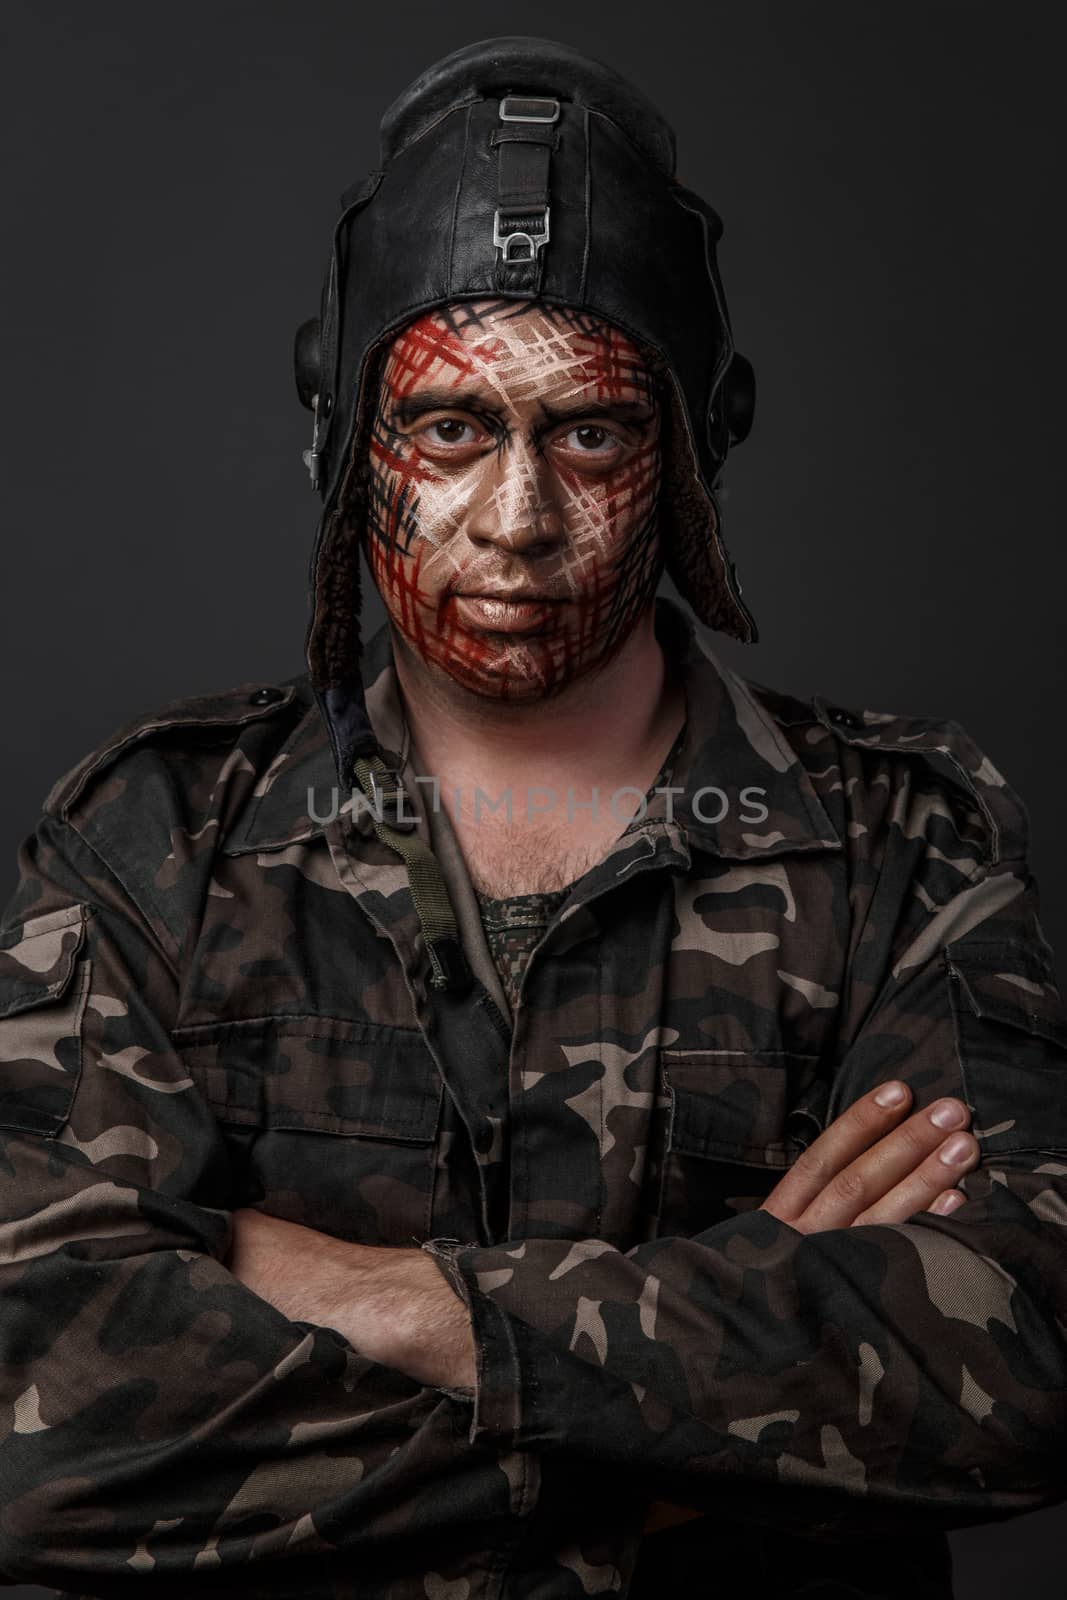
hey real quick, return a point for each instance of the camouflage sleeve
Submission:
(877, 1373)
(157, 1417)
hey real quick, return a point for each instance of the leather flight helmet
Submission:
(517, 168)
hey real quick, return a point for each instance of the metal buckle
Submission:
(530, 99)
(533, 241)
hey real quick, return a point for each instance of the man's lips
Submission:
(513, 612)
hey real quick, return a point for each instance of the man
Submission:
(495, 1121)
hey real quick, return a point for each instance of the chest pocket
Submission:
(1011, 1039)
(332, 1122)
(735, 1120)
(43, 990)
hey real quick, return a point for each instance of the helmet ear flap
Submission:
(307, 361)
(695, 555)
(739, 397)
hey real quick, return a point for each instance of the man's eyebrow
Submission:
(409, 408)
(590, 405)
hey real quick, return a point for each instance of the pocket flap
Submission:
(40, 1034)
(37, 957)
(1009, 984)
(1011, 1035)
(733, 1104)
(316, 1074)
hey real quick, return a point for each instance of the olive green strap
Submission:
(380, 783)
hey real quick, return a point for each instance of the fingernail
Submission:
(953, 1151)
(951, 1200)
(890, 1094)
(949, 1114)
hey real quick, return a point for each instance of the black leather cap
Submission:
(478, 148)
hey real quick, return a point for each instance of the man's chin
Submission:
(490, 682)
(497, 667)
(518, 676)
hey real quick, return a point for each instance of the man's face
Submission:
(514, 475)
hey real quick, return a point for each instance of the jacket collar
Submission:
(300, 790)
(735, 760)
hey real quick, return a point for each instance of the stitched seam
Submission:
(678, 1054)
(639, 149)
(65, 917)
(431, 1191)
(376, 1032)
(317, 1123)
(588, 206)
(455, 201)
(457, 105)
(1003, 1012)
(724, 323)
(81, 1001)
(81, 996)
(150, 933)
(941, 750)
(738, 1155)
(986, 1153)
(243, 838)
(786, 749)
(601, 1184)
(715, 1145)
(39, 995)
(146, 729)
(409, 1126)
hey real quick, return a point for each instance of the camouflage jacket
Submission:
(213, 992)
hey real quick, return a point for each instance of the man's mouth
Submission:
(516, 611)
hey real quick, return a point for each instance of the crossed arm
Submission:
(274, 1402)
(394, 1306)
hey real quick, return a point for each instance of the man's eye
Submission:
(590, 439)
(450, 430)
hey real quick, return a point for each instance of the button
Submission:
(847, 720)
(265, 696)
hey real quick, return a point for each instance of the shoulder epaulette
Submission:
(950, 751)
(229, 708)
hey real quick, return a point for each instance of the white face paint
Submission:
(515, 453)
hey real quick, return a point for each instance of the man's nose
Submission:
(518, 509)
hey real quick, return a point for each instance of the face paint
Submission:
(513, 484)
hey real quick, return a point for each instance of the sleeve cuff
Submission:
(497, 1397)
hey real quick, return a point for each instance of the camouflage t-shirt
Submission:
(514, 923)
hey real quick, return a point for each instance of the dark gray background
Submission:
(891, 182)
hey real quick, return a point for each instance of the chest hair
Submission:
(505, 860)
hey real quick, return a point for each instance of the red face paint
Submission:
(514, 476)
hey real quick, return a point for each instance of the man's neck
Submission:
(604, 728)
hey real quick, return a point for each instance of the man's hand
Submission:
(393, 1306)
(867, 1166)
